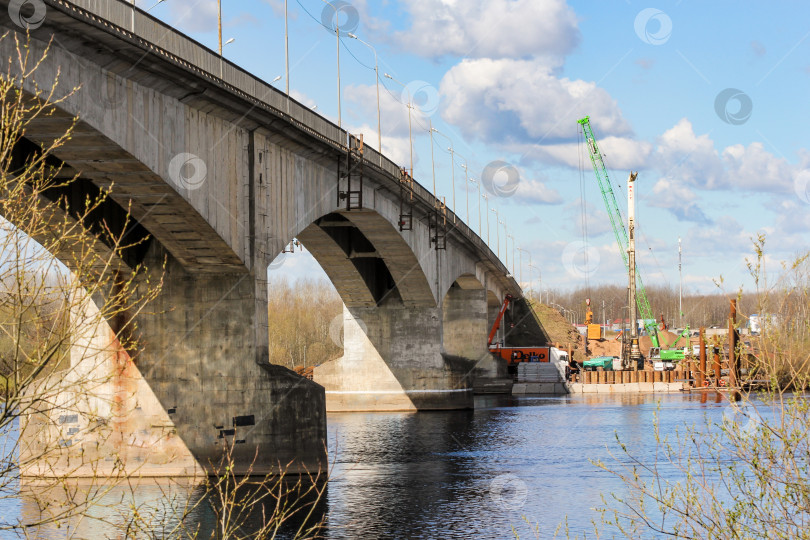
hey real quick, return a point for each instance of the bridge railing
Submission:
(163, 40)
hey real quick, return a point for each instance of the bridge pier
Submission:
(393, 360)
(200, 383)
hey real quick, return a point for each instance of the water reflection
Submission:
(478, 473)
(171, 508)
(511, 462)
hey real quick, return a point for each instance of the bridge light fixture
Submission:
(278, 78)
(452, 168)
(474, 181)
(337, 49)
(377, 82)
(497, 232)
(410, 135)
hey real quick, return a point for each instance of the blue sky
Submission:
(506, 80)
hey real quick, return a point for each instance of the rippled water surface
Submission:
(477, 474)
(511, 462)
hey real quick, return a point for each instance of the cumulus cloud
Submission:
(362, 101)
(679, 199)
(694, 161)
(620, 153)
(537, 192)
(489, 28)
(514, 101)
(397, 149)
(725, 236)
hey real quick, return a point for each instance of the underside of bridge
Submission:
(198, 383)
(416, 314)
(402, 350)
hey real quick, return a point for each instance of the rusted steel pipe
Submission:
(701, 377)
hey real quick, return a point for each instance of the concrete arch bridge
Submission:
(221, 171)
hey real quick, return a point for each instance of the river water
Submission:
(512, 463)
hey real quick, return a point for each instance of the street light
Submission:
(452, 169)
(497, 233)
(377, 80)
(513, 252)
(505, 244)
(410, 135)
(286, 53)
(337, 37)
(231, 40)
(432, 161)
(479, 206)
(466, 189)
(521, 251)
(278, 78)
(530, 281)
(219, 33)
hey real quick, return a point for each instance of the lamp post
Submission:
(530, 280)
(466, 189)
(497, 233)
(487, 200)
(410, 134)
(474, 181)
(377, 80)
(432, 161)
(337, 37)
(452, 169)
(514, 248)
(521, 251)
(219, 32)
(286, 52)
(505, 244)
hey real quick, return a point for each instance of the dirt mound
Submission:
(609, 347)
(559, 330)
(664, 338)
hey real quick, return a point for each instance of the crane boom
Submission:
(497, 323)
(617, 223)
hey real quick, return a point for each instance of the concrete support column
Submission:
(201, 382)
(205, 357)
(393, 360)
(466, 326)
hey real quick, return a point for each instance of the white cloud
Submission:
(620, 153)
(753, 168)
(691, 158)
(536, 192)
(695, 162)
(362, 102)
(519, 101)
(397, 149)
(302, 98)
(679, 199)
(489, 28)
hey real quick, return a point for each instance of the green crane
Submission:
(619, 229)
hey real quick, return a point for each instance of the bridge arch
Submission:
(368, 261)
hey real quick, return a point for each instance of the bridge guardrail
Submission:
(166, 41)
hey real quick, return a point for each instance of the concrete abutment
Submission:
(393, 360)
(200, 383)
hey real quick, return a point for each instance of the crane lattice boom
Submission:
(619, 228)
